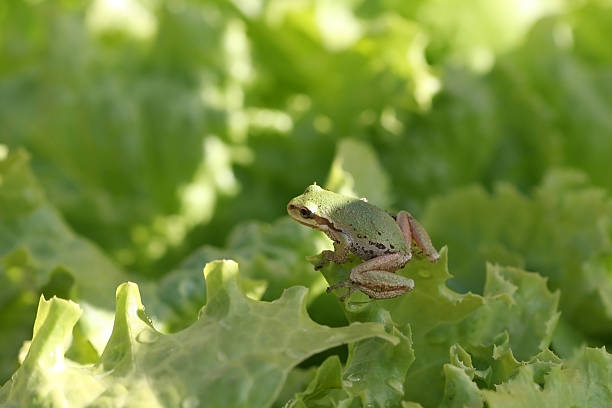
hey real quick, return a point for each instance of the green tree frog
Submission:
(384, 242)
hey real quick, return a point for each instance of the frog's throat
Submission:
(306, 224)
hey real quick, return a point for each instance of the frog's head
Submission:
(311, 208)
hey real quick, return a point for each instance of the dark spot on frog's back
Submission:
(378, 245)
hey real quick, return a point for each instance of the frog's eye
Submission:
(305, 212)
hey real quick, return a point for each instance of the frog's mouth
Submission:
(325, 224)
(320, 224)
(313, 225)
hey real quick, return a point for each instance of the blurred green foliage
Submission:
(162, 135)
(156, 126)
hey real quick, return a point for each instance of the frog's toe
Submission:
(350, 290)
(351, 287)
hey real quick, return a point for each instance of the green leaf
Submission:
(459, 388)
(40, 253)
(429, 305)
(375, 369)
(583, 381)
(430, 309)
(46, 377)
(567, 339)
(561, 231)
(516, 316)
(297, 381)
(324, 387)
(238, 353)
(272, 253)
(521, 304)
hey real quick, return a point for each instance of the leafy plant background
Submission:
(142, 140)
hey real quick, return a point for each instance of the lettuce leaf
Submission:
(582, 381)
(562, 230)
(238, 353)
(272, 253)
(39, 253)
(514, 319)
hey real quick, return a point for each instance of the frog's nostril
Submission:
(291, 206)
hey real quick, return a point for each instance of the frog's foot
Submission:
(379, 284)
(414, 232)
(376, 284)
(318, 260)
(323, 259)
(338, 255)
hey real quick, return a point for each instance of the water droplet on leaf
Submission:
(356, 307)
(353, 377)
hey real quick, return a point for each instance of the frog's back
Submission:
(371, 231)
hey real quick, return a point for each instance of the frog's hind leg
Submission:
(385, 285)
(387, 262)
(414, 232)
(376, 278)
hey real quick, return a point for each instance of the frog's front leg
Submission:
(414, 232)
(375, 277)
(338, 255)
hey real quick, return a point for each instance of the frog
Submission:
(383, 241)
